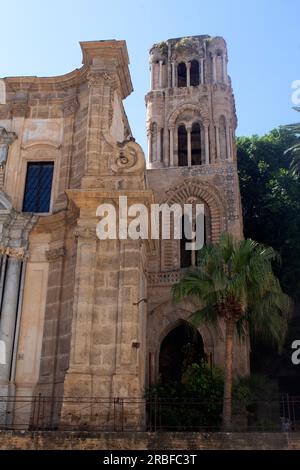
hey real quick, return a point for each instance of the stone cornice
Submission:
(85, 199)
(59, 82)
(110, 56)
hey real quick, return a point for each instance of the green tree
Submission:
(294, 150)
(234, 282)
(270, 194)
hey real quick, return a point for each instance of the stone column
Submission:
(175, 146)
(217, 143)
(9, 317)
(160, 73)
(158, 145)
(151, 76)
(202, 71)
(2, 273)
(206, 137)
(214, 68)
(230, 137)
(227, 141)
(173, 74)
(101, 85)
(69, 108)
(171, 146)
(129, 378)
(224, 69)
(189, 146)
(150, 146)
(188, 74)
(166, 150)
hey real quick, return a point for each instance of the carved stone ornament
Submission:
(129, 159)
(95, 78)
(18, 253)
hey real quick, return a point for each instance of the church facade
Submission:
(83, 317)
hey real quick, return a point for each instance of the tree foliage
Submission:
(234, 283)
(270, 193)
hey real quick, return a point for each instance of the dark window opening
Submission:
(182, 347)
(182, 146)
(185, 255)
(181, 72)
(196, 144)
(194, 73)
(205, 238)
(38, 185)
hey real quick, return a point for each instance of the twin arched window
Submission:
(188, 257)
(195, 145)
(193, 71)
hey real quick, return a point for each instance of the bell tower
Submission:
(190, 108)
(191, 124)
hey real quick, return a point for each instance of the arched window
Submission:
(196, 144)
(182, 146)
(222, 137)
(181, 74)
(194, 73)
(190, 257)
(185, 255)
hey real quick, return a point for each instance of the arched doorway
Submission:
(181, 347)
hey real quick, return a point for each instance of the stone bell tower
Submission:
(191, 123)
(190, 108)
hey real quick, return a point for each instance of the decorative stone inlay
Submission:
(164, 278)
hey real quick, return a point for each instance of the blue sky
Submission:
(263, 38)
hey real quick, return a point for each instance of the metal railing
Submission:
(146, 414)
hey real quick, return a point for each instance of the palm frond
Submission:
(237, 275)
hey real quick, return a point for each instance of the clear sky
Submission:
(263, 39)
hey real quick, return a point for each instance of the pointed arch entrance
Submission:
(181, 347)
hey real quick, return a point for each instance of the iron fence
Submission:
(146, 414)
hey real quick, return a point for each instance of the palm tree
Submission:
(234, 282)
(294, 150)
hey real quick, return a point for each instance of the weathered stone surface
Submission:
(91, 314)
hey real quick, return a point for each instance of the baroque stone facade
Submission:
(83, 317)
